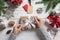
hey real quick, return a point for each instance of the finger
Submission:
(16, 26)
(20, 26)
(36, 20)
(42, 21)
(20, 30)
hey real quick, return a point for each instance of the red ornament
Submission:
(55, 20)
(25, 7)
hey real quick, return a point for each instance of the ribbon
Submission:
(55, 20)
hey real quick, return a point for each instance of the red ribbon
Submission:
(16, 1)
(55, 20)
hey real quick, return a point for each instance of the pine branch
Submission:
(48, 6)
(50, 3)
(2, 7)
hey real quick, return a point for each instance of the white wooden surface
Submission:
(26, 35)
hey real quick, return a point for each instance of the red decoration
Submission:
(16, 1)
(19, 1)
(25, 7)
(55, 20)
(12, 1)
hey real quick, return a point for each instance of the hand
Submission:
(39, 22)
(17, 29)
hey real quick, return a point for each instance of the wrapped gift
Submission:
(53, 23)
(28, 23)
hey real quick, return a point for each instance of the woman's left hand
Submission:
(17, 29)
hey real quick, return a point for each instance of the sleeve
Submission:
(44, 34)
(12, 37)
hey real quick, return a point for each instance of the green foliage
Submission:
(50, 3)
(5, 0)
(2, 7)
(53, 13)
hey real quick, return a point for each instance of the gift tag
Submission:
(30, 7)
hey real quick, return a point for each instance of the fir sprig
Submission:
(2, 7)
(50, 3)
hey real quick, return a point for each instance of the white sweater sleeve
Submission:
(44, 34)
(12, 37)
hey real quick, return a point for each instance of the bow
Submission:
(55, 20)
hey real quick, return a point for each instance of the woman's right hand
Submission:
(39, 21)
